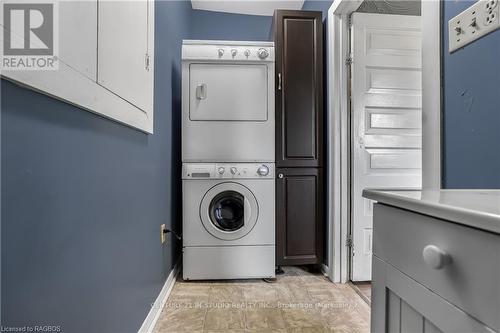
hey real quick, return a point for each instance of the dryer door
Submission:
(229, 211)
(228, 92)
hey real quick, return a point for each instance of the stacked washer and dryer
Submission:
(228, 140)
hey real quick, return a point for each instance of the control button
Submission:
(247, 53)
(263, 53)
(233, 170)
(234, 52)
(263, 170)
(221, 52)
(221, 170)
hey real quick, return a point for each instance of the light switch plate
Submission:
(473, 23)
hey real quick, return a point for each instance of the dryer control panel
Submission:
(228, 51)
(228, 170)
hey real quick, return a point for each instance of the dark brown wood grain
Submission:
(298, 38)
(299, 212)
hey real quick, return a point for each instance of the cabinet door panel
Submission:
(411, 320)
(393, 313)
(299, 216)
(123, 47)
(397, 299)
(394, 226)
(299, 103)
(78, 36)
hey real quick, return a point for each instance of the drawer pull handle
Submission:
(435, 257)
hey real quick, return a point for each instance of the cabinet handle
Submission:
(280, 175)
(435, 257)
(279, 81)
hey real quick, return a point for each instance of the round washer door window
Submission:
(229, 211)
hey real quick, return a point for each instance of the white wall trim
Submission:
(338, 140)
(153, 315)
(338, 191)
(431, 95)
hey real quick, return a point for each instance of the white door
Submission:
(228, 92)
(386, 118)
(124, 50)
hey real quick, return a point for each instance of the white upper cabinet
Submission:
(106, 59)
(125, 45)
(78, 36)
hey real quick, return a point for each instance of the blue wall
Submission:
(227, 26)
(318, 5)
(83, 198)
(471, 140)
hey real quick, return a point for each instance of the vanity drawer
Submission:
(470, 279)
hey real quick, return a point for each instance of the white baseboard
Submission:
(153, 315)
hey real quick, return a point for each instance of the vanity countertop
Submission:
(475, 208)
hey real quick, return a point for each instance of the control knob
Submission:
(221, 170)
(233, 170)
(247, 53)
(263, 53)
(234, 52)
(221, 52)
(263, 170)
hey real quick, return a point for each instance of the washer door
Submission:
(229, 211)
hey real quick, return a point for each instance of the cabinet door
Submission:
(299, 209)
(124, 50)
(402, 305)
(78, 36)
(299, 103)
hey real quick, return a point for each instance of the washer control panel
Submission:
(227, 170)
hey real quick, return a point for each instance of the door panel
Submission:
(299, 102)
(386, 117)
(78, 36)
(299, 216)
(123, 46)
(402, 305)
(228, 92)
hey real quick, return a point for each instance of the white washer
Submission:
(227, 101)
(228, 220)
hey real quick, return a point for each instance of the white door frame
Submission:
(338, 188)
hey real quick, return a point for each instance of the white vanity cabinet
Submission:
(436, 261)
(105, 60)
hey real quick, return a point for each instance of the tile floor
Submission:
(364, 289)
(298, 301)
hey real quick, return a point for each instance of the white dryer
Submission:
(227, 101)
(228, 221)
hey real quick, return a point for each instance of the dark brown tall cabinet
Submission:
(298, 38)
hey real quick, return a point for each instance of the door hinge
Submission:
(349, 61)
(146, 61)
(349, 242)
